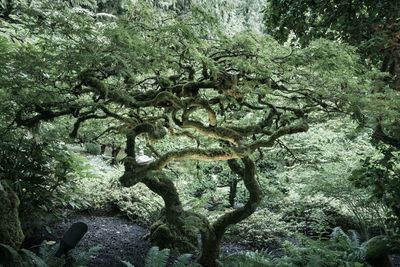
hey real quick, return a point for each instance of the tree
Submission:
(168, 77)
(372, 27)
(369, 25)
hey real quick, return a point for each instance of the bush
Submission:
(102, 191)
(93, 148)
(42, 173)
(313, 215)
(263, 229)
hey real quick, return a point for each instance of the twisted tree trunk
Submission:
(212, 234)
(171, 229)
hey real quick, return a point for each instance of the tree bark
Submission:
(10, 226)
(212, 234)
(232, 192)
(164, 187)
(171, 230)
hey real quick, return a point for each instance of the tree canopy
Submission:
(161, 77)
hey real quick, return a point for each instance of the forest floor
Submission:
(119, 238)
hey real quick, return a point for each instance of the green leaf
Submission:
(127, 264)
(156, 257)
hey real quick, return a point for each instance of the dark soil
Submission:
(120, 240)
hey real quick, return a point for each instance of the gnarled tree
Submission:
(167, 77)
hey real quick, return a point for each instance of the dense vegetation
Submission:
(156, 111)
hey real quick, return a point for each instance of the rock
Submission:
(142, 158)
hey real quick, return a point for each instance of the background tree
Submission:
(372, 27)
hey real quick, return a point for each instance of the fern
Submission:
(127, 264)
(185, 260)
(83, 258)
(355, 238)
(250, 259)
(351, 243)
(340, 236)
(156, 257)
(159, 258)
(11, 257)
(47, 252)
(33, 259)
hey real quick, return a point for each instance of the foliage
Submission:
(159, 258)
(41, 173)
(103, 192)
(373, 29)
(381, 175)
(351, 243)
(177, 84)
(303, 252)
(254, 231)
(369, 29)
(46, 258)
(316, 169)
(21, 258)
(156, 257)
(93, 148)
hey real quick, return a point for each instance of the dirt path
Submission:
(119, 238)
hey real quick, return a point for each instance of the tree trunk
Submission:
(212, 235)
(232, 192)
(171, 230)
(164, 187)
(10, 226)
(211, 244)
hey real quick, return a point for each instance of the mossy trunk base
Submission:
(181, 236)
(10, 226)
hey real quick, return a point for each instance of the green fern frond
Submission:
(185, 260)
(47, 252)
(127, 264)
(339, 235)
(355, 249)
(82, 259)
(8, 254)
(32, 258)
(11, 257)
(355, 238)
(156, 257)
(250, 259)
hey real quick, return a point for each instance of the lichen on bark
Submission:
(10, 226)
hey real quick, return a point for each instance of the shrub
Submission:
(93, 148)
(42, 173)
(102, 191)
(263, 229)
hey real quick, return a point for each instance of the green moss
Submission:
(183, 239)
(10, 226)
(161, 235)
